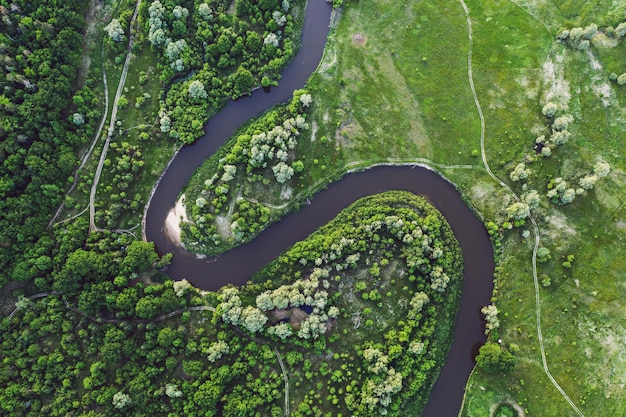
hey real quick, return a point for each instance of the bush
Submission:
(493, 359)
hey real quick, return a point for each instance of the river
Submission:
(237, 265)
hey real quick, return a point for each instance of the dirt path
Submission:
(517, 198)
(282, 366)
(105, 148)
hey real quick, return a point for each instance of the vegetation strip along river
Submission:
(238, 265)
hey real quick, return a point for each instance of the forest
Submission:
(46, 115)
(358, 329)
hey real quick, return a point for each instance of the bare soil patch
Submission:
(358, 39)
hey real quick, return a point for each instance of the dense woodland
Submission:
(361, 329)
(45, 117)
(210, 53)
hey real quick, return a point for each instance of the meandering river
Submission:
(236, 266)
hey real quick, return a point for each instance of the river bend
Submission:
(237, 265)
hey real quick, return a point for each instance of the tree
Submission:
(492, 358)
(491, 316)
(147, 307)
(282, 172)
(543, 254)
(243, 81)
(549, 109)
(601, 169)
(115, 30)
(139, 256)
(121, 400)
(196, 90)
(520, 172)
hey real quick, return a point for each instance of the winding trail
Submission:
(282, 366)
(105, 148)
(87, 154)
(517, 198)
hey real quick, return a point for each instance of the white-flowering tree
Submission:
(230, 305)
(253, 319)
(200, 202)
(520, 172)
(121, 400)
(588, 182)
(333, 312)
(279, 18)
(560, 137)
(115, 31)
(165, 123)
(174, 49)
(282, 330)
(418, 301)
(78, 119)
(312, 327)
(416, 347)
(491, 316)
(376, 361)
(549, 109)
(562, 122)
(306, 100)
(196, 90)
(568, 196)
(518, 211)
(532, 199)
(282, 172)
(172, 391)
(205, 12)
(180, 12)
(601, 169)
(271, 39)
(157, 37)
(156, 24)
(438, 279)
(181, 287)
(264, 301)
(216, 350)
